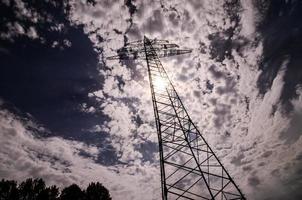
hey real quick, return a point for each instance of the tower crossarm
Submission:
(136, 50)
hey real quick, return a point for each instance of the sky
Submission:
(69, 115)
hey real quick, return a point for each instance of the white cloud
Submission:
(248, 18)
(14, 29)
(228, 95)
(67, 43)
(32, 33)
(59, 161)
(243, 128)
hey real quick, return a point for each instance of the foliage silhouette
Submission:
(31, 189)
(9, 190)
(96, 191)
(35, 189)
(73, 192)
(50, 193)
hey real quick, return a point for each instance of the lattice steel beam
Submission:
(189, 167)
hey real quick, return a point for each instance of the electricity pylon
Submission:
(189, 167)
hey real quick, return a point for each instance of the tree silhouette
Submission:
(26, 190)
(49, 193)
(9, 190)
(31, 189)
(36, 190)
(96, 191)
(73, 192)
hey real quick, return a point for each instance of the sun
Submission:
(160, 83)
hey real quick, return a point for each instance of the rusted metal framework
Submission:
(189, 167)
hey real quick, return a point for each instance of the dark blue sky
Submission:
(50, 83)
(53, 83)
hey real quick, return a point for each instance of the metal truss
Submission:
(189, 168)
(136, 50)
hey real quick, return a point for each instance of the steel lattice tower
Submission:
(189, 167)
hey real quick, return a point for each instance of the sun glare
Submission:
(160, 83)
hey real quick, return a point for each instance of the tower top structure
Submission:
(189, 167)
